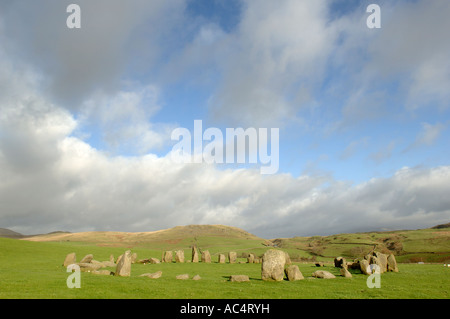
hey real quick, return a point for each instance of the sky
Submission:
(87, 114)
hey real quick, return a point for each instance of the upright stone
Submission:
(293, 273)
(272, 267)
(221, 259)
(194, 254)
(250, 258)
(70, 259)
(133, 258)
(87, 259)
(232, 256)
(364, 267)
(345, 273)
(179, 256)
(111, 258)
(167, 257)
(123, 268)
(392, 263)
(382, 261)
(206, 256)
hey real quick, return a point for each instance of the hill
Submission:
(179, 237)
(425, 245)
(421, 245)
(7, 233)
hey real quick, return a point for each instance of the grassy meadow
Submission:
(33, 270)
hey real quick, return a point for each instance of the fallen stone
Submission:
(239, 278)
(154, 275)
(196, 277)
(323, 274)
(101, 272)
(88, 267)
(183, 276)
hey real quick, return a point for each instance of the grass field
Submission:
(31, 270)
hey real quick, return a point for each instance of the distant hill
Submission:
(426, 245)
(4, 232)
(441, 226)
(191, 233)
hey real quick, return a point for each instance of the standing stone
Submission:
(345, 273)
(194, 254)
(87, 259)
(133, 258)
(340, 262)
(167, 257)
(272, 267)
(250, 258)
(293, 273)
(288, 259)
(119, 258)
(111, 258)
(382, 261)
(364, 267)
(179, 256)
(70, 259)
(123, 268)
(392, 263)
(221, 259)
(232, 256)
(206, 256)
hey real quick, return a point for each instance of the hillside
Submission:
(426, 245)
(7, 233)
(173, 238)
(422, 245)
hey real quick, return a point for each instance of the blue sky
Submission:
(358, 110)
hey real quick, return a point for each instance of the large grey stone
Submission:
(179, 256)
(123, 268)
(272, 267)
(232, 256)
(206, 256)
(293, 273)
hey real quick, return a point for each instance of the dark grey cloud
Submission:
(114, 36)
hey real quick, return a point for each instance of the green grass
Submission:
(31, 270)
